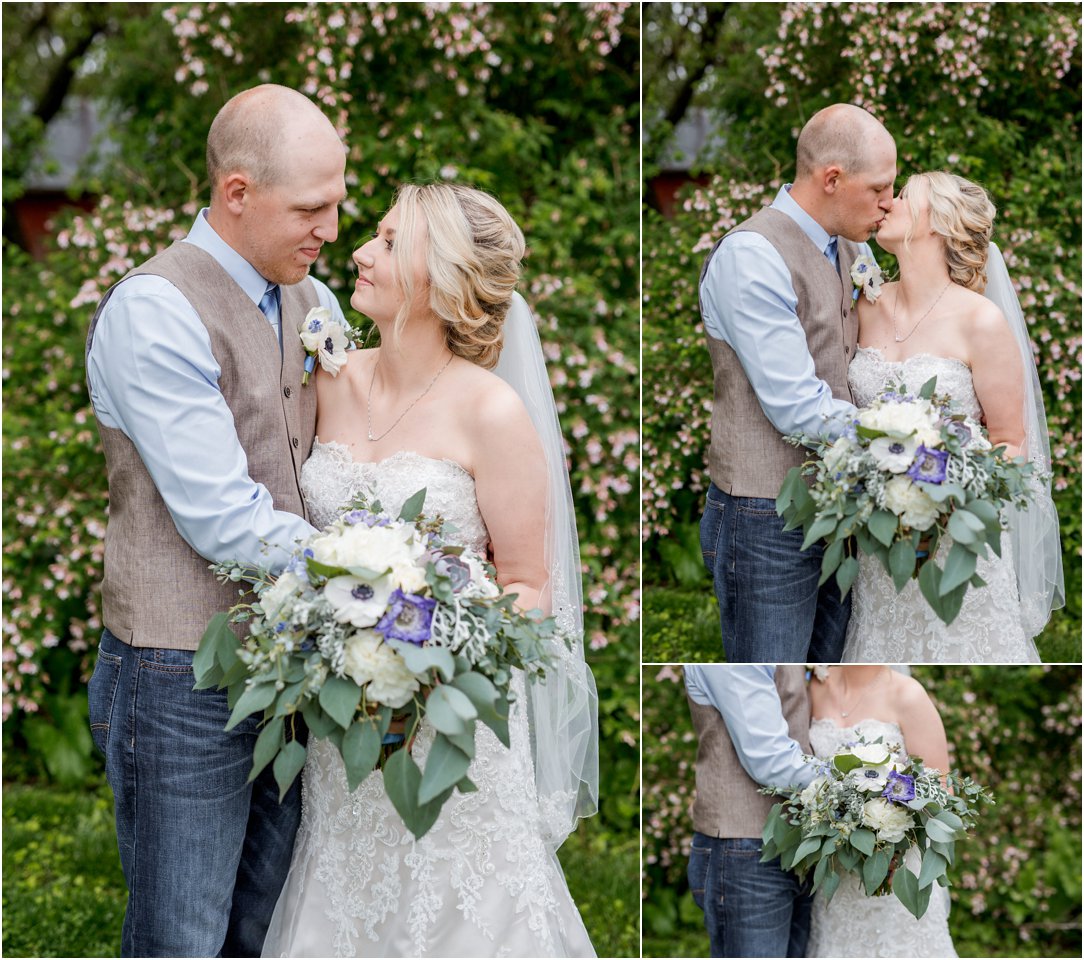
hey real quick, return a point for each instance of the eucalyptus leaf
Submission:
(267, 746)
(253, 700)
(901, 562)
(863, 841)
(933, 866)
(959, 568)
(449, 709)
(874, 871)
(882, 525)
(412, 508)
(288, 765)
(419, 659)
(846, 574)
(445, 766)
(360, 751)
(822, 526)
(936, 830)
(340, 698)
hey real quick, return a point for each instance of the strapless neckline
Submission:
(344, 452)
(914, 356)
(854, 726)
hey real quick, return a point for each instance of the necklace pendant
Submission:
(844, 713)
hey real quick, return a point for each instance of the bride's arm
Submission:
(923, 731)
(510, 483)
(999, 379)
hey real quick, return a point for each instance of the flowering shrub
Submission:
(535, 103)
(956, 85)
(1016, 881)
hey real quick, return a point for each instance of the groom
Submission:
(194, 369)
(752, 726)
(776, 301)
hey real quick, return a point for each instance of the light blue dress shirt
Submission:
(152, 375)
(747, 698)
(750, 304)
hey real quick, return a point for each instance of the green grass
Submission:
(681, 625)
(64, 893)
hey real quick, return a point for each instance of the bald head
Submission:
(841, 135)
(264, 133)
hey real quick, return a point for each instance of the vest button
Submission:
(294, 442)
(287, 391)
(846, 351)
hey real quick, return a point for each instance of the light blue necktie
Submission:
(271, 306)
(831, 254)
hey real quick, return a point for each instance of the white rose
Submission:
(369, 660)
(900, 419)
(890, 821)
(376, 548)
(872, 754)
(895, 454)
(910, 504)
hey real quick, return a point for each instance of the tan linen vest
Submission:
(727, 803)
(747, 456)
(157, 591)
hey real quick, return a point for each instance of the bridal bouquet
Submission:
(908, 471)
(376, 620)
(867, 807)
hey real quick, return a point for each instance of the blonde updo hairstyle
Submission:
(962, 215)
(472, 263)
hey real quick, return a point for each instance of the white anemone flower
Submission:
(357, 601)
(325, 337)
(894, 454)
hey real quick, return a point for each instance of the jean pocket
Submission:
(699, 865)
(101, 695)
(710, 525)
(756, 506)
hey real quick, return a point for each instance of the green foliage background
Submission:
(1016, 886)
(536, 103)
(990, 91)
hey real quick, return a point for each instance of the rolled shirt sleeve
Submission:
(746, 697)
(153, 376)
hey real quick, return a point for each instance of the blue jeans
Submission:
(751, 909)
(204, 852)
(770, 606)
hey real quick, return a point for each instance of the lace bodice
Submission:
(483, 881)
(852, 924)
(869, 373)
(331, 479)
(826, 737)
(891, 627)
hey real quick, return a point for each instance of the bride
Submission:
(935, 321)
(426, 409)
(871, 702)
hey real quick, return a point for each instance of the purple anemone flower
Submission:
(409, 618)
(929, 465)
(900, 788)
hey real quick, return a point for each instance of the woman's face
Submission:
(377, 291)
(899, 221)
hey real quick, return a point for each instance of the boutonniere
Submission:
(323, 338)
(818, 670)
(866, 277)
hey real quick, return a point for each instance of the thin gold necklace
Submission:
(369, 401)
(862, 696)
(895, 303)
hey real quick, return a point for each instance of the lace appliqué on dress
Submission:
(890, 627)
(852, 924)
(483, 881)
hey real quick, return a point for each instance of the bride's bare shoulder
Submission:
(488, 401)
(911, 699)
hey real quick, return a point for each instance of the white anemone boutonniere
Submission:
(323, 338)
(866, 277)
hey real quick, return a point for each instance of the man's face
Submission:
(284, 225)
(863, 199)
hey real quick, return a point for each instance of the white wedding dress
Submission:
(852, 924)
(482, 882)
(891, 627)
